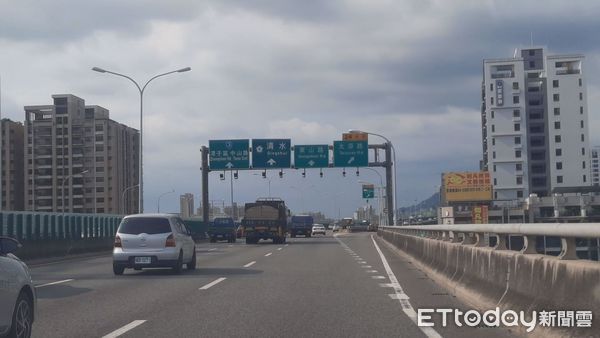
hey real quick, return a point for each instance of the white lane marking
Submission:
(378, 277)
(279, 249)
(213, 249)
(213, 283)
(362, 262)
(367, 266)
(287, 245)
(371, 271)
(402, 297)
(124, 329)
(250, 264)
(388, 285)
(54, 283)
(269, 254)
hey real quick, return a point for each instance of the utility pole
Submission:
(205, 171)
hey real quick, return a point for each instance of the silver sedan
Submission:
(17, 293)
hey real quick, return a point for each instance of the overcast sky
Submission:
(306, 70)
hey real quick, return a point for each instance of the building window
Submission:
(556, 111)
(559, 179)
(518, 140)
(495, 195)
(558, 165)
(555, 83)
(581, 123)
(580, 110)
(519, 193)
(582, 138)
(557, 125)
(515, 85)
(493, 141)
(580, 96)
(492, 114)
(515, 99)
(557, 139)
(583, 164)
(517, 153)
(519, 180)
(516, 113)
(519, 166)
(491, 87)
(531, 52)
(531, 64)
(584, 178)
(495, 181)
(580, 83)
(493, 128)
(492, 100)
(556, 97)
(558, 152)
(494, 168)
(582, 151)
(517, 126)
(493, 154)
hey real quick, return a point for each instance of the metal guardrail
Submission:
(474, 234)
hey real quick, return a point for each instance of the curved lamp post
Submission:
(141, 90)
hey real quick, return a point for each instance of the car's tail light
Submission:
(118, 242)
(170, 241)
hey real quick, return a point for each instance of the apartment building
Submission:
(12, 165)
(78, 159)
(595, 169)
(186, 205)
(535, 124)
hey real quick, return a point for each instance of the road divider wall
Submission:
(509, 279)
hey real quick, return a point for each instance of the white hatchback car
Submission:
(153, 241)
(318, 229)
(17, 293)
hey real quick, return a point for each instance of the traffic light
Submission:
(264, 174)
(222, 176)
(235, 175)
(321, 173)
(357, 172)
(304, 173)
(281, 174)
(344, 173)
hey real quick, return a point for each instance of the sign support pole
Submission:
(205, 171)
(389, 194)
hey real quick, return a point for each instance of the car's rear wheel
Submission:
(118, 269)
(179, 265)
(192, 264)
(22, 317)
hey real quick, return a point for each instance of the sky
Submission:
(307, 70)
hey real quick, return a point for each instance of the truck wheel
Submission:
(192, 264)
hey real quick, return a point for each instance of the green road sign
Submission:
(229, 154)
(368, 191)
(271, 153)
(350, 153)
(311, 156)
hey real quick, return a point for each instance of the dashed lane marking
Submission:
(250, 264)
(54, 283)
(269, 254)
(213, 283)
(125, 328)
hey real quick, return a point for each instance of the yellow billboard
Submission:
(467, 186)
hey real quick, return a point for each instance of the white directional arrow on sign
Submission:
(271, 162)
(351, 160)
(311, 163)
(229, 165)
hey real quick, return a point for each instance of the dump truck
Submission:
(267, 218)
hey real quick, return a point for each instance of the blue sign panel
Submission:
(350, 153)
(271, 153)
(311, 156)
(229, 154)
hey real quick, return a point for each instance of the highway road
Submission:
(348, 285)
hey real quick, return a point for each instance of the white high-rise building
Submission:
(186, 205)
(595, 165)
(535, 124)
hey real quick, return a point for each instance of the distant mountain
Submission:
(432, 202)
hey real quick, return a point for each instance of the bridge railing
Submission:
(498, 235)
(34, 226)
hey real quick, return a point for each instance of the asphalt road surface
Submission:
(348, 285)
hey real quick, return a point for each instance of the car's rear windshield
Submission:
(147, 225)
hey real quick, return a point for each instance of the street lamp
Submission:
(265, 177)
(355, 131)
(123, 197)
(159, 197)
(141, 90)
(63, 188)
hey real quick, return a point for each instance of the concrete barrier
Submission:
(509, 279)
(63, 247)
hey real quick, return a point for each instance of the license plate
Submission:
(143, 260)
